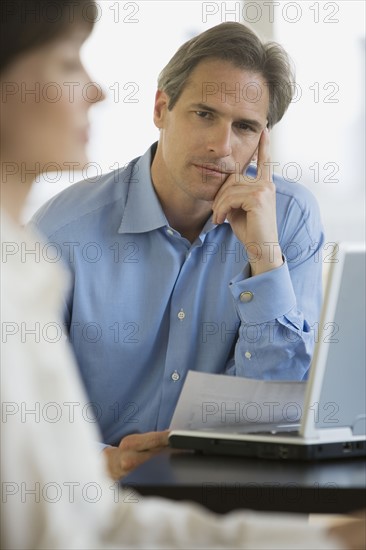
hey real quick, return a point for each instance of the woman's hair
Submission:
(29, 24)
(239, 45)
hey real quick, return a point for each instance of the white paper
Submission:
(216, 401)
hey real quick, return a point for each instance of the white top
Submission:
(55, 490)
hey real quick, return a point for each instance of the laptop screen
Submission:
(336, 394)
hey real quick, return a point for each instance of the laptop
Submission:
(333, 423)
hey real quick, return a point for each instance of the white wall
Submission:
(325, 129)
(133, 41)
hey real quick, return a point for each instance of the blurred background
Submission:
(321, 140)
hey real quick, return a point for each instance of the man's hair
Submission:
(28, 24)
(240, 46)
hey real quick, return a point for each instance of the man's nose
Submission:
(219, 141)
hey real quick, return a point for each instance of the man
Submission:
(189, 258)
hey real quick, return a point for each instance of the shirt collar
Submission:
(142, 198)
(143, 211)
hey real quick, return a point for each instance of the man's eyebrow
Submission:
(251, 122)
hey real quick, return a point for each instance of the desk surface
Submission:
(228, 483)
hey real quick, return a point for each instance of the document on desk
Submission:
(233, 403)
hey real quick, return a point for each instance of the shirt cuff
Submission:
(264, 297)
(100, 446)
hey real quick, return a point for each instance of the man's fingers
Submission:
(264, 160)
(129, 460)
(145, 442)
(231, 181)
(133, 450)
(245, 197)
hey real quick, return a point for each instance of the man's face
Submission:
(213, 129)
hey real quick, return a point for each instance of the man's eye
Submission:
(245, 127)
(203, 114)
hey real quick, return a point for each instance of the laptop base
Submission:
(270, 450)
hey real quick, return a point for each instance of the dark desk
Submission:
(227, 483)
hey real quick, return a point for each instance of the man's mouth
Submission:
(211, 169)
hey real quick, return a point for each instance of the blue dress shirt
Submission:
(146, 305)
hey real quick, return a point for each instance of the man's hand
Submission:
(134, 450)
(250, 206)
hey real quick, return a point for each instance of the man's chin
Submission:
(207, 195)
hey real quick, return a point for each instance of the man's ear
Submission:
(160, 108)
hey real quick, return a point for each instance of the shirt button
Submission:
(175, 376)
(170, 232)
(248, 354)
(246, 296)
(181, 315)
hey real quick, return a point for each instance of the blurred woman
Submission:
(46, 93)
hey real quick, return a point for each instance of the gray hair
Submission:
(240, 46)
